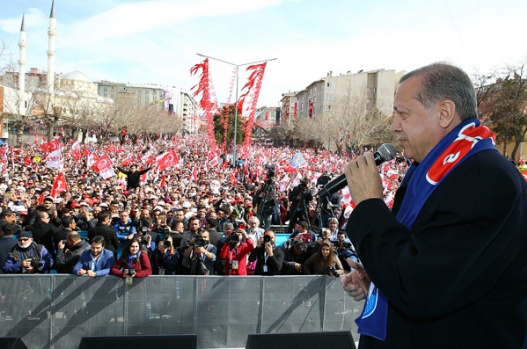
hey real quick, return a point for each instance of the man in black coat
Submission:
(448, 264)
(103, 229)
(268, 257)
(133, 176)
(44, 231)
(68, 253)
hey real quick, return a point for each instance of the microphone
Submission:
(386, 152)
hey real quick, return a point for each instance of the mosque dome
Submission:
(77, 76)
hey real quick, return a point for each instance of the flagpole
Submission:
(236, 103)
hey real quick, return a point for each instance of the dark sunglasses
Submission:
(23, 239)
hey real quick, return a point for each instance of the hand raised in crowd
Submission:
(356, 282)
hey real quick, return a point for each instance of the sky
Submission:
(157, 41)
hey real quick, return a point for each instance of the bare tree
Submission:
(504, 105)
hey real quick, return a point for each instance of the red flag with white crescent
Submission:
(59, 185)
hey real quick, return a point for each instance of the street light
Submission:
(236, 103)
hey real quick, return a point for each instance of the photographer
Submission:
(268, 258)
(134, 261)
(299, 198)
(330, 205)
(344, 249)
(200, 256)
(295, 255)
(266, 199)
(165, 257)
(324, 262)
(235, 252)
(27, 257)
(144, 233)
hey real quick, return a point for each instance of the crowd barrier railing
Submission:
(56, 311)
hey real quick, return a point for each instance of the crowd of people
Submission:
(198, 216)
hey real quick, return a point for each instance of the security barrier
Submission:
(56, 311)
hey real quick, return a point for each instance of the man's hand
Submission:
(91, 273)
(269, 249)
(363, 178)
(356, 282)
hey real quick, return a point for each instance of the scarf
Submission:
(467, 139)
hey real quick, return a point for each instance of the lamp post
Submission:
(236, 103)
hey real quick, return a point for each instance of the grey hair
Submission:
(445, 81)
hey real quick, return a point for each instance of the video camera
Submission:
(200, 242)
(270, 172)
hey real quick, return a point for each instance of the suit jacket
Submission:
(458, 278)
(274, 263)
(44, 233)
(109, 234)
(102, 266)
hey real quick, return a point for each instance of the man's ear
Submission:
(447, 113)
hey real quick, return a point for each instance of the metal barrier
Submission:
(56, 311)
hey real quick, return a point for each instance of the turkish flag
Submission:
(41, 198)
(27, 160)
(163, 181)
(103, 163)
(49, 147)
(59, 185)
(166, 160)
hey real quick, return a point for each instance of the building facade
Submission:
(373, 89)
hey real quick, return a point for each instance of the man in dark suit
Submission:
(103, 229)
(44, 231)
(448, 264)
(268, 257)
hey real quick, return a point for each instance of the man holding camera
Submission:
(27, 257)
(165, 257)
(200, 256)
(344, 249)
(235, 252)
(299, 198)
(268, 258)
(266, 199)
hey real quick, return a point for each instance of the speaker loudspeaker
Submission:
(11, 343)
(309, 340)
(180, 341)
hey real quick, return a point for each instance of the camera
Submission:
(164, 229)
(267, 238)
(144, 240)
(235, 237)
(131, 271)
(332, 271)
(270, 172)
(199, 242)
(144, 230)
(167, 244)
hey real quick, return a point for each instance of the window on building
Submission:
(329, 84)
(329, 96)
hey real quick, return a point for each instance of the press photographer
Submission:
(266, 199)
(200, 256)
(165, 257)
(268, 258)
(235, 252)
(344, 249)
(299, 199)
(329, 205)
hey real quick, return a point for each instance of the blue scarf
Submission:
(467, 139)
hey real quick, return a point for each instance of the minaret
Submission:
(22, 68)
(51, 50)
